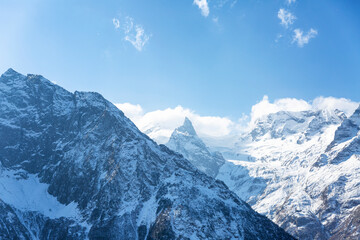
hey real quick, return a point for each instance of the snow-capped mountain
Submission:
(307, 166)
(301, 169)
(184, 140)
(283, 124)
(72, 166)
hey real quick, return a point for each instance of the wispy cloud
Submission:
(290, 1)
(301, 39)
(133, 33)
(138, 39)
(116, 23)
(222, 3)
(128, 24)
(287, 18)
(204, 7)
(278, 37)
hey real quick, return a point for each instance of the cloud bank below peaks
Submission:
(160, 124)
(265, 107)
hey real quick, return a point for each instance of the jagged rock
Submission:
(184, 140)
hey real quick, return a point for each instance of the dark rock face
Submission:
(185, 141)
(124, 185)
(350, 228)
(15, 224)
(348, 128)
(346, 136)
(304, 223)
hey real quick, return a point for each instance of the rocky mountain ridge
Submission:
(72, 166)
(184, 140)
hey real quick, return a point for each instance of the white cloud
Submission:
(163, 123)
(116, 23)
(331, 103)
(133, 33)
(134, 112)
(264, 107)
(287, 18)
(302, 39)
(204, 7)
(139, 39)
(160, 124)
(128, 24)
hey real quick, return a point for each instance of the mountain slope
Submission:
(184, 140)
(301, 169)
(310, 164)
(78, 168)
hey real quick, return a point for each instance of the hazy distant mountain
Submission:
(74, 167)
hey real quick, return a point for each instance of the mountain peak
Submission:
(185, 141)
(118, 183)
(187, 128)
(10, 72)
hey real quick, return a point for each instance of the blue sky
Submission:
(218, 61)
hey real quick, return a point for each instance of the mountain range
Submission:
(300, 169)
(72, 166)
